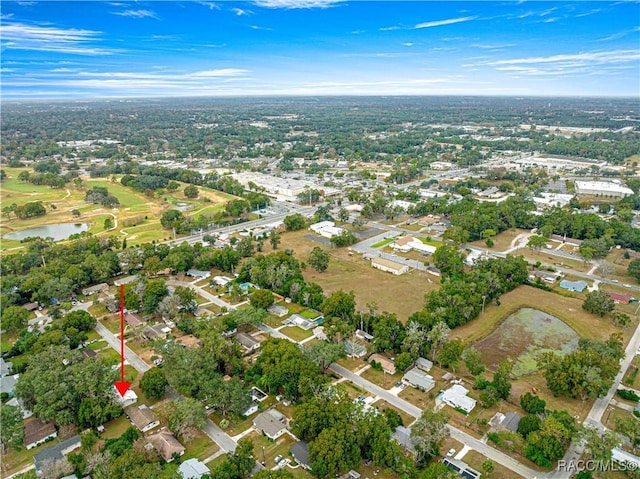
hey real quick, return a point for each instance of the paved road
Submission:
(458, 435)
(303, 210)
(202, 292)
(129, 355)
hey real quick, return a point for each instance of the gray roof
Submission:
(423, 363)
(56, 452)
(270, 422)
(511, 421)
(193, 469)
(300, 451)
(247, 341)
(5, 367)
(419, 379)
(8, 383)
(402, 435)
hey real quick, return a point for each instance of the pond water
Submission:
(523, 335)
(57, 231)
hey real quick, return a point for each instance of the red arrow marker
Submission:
(122, 386)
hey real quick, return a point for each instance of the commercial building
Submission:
(389, 266)
(602, 188)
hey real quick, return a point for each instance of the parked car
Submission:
(451, 452)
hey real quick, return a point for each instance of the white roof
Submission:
(456, 396)
(602, 186)
(624, 457)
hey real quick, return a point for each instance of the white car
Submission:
(451, 452)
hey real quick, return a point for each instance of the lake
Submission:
(57, 231)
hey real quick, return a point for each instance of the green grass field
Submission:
(61, 202)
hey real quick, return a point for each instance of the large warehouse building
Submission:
(603, 188)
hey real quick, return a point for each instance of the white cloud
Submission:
(136, 14)
(439, 23)
(565, 64)
(19, 36)
(388, 29)
(240, 12)
(221, 72)
(493, 46)
(597, 57)
(209, 5)
(258, 27)
(291, 4)
(407, 44)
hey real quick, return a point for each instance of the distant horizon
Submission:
(257, 48)
(328, 95)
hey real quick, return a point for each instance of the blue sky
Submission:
(318, 47)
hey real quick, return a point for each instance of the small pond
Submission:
(57, 231)
(522, 336)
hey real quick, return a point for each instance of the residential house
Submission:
(547, 276)
(577, 286)
(271, 423)
(252, 409)
(409, 243)
(133, 320)
(419, 379)
(249, 343)
(166, 444)
(221, 280)
(388, 366)
(5, 368)
(389, 266)
(8, 384)
(360, 334)
(326, 229)
(157, 331)
(319, 333)
(55, 453)
(129, 398)
(300, 452)
(424, 364)
(199, 274)
(96, 288)
(620, 298)
(193, 469)
(15, 402)
(30, 306)
(142, 417)
(37, 432)
(461, 468)
(456, 397)
(278, 310)
(434, 271)
(505, 422)
(402, 435)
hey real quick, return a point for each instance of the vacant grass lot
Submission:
(568, 310)
(402, 295)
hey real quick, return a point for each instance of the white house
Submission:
(130, 397)
(419, 379)
(408, 243)
(456, 397)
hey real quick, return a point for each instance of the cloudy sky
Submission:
(95, 49)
